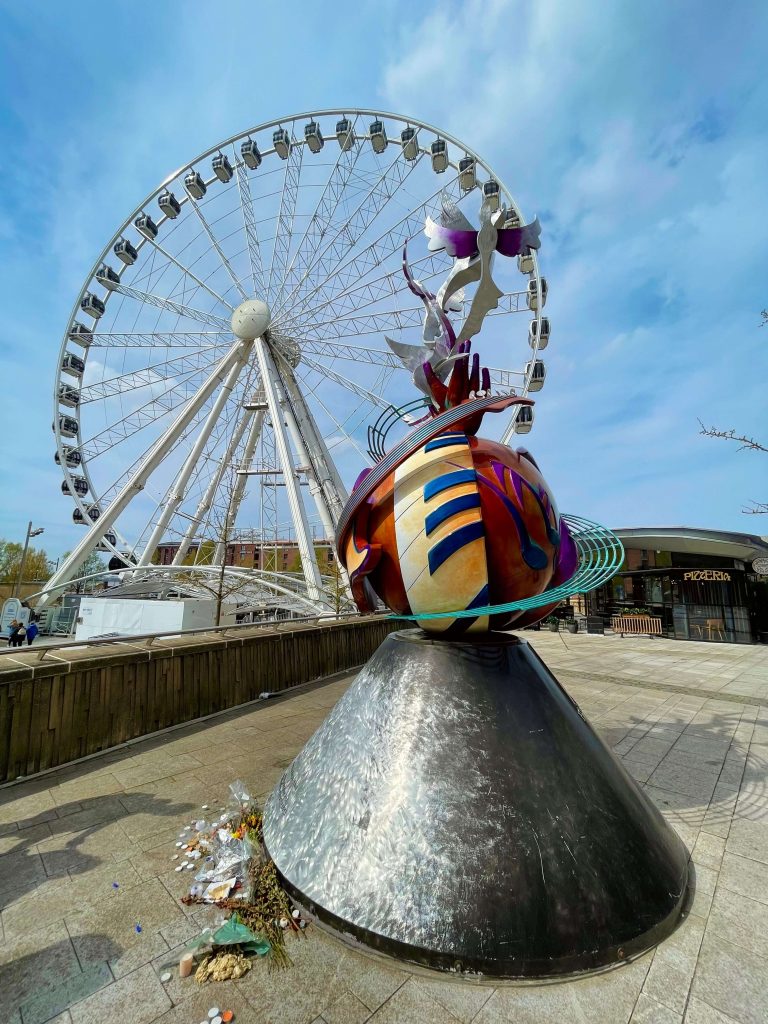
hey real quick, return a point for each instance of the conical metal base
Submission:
(455, 809)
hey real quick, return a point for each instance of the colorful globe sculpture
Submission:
(461, 523)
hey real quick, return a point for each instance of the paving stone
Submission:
(742, 921)
(744, 876)
(603, 999)
(732, 980)
(649, 1011)
(699, 1012)
(412, 1005)
(136, 999)
(748, 839)
(347, 1009)
(709, 850)
(462, 999)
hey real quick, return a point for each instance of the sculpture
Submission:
(456, 809)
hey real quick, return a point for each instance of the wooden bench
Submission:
(636, 625)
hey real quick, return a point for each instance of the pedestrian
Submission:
(32, 632)
(13, 629)
(22, 632)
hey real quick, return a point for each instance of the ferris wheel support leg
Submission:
(322, 463)
(237, 495)
(176, 494)
(207, 499)
(269, 376)
(137, 482)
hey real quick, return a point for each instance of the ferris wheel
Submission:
(227, 353)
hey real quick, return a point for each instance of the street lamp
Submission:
(30, 533)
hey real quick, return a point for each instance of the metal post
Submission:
(23, 560)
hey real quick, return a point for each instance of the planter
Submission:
(553, 627)
(572, 627)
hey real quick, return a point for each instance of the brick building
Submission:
(276, 556)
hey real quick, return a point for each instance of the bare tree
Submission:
(744, 443)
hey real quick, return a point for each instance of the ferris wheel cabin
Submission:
(344, 134)
(107, 277)
(439, 149)
(410, 143)
(68, 426)
(378, 137)
(538, 374)
(543, 333)
(281, 140)
(467, 173)
(222, 168)
(92, 305)
(491, 192)
(72, 457)
(146, 226)
(125, 252)
(79, 484)
(524, 420)
(313, 136)
(532, 296)
(72, 364)
(195, 185)
(249, 151)
(80, 334)
(169, 204)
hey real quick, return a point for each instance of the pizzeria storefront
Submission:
(702, 584)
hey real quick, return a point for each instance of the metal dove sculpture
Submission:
(473, 251)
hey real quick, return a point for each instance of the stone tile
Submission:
(732, 980)
(745, 877)
(461, 998)
(699, 1012)
(136, 999)
(347, 1009)
(709, 850)
(412, 1005)
(52, 995)
(742, 921)
(748, 839)
(686, 781)
(375, 984)
(602, 999)
(648, 1011)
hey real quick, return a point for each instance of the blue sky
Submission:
(638, 132)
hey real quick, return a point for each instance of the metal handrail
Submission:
(145, 640)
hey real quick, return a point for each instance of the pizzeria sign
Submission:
(716, 575)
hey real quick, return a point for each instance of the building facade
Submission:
(275, 556)
(701, 583)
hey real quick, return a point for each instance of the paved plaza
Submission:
(91, 916)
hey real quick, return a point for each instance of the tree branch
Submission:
(731, 435)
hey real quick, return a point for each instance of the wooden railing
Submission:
(85, 698)
(636, 625)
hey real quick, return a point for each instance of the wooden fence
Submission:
(55, 712)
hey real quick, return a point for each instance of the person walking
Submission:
(32, 632)
(19, 638)
(13, 629)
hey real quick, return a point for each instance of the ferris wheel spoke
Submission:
(345, 382)
(148, 375)
(348, 234)
(142, 339)
(137, 419)
(322, 218)
(359, 266)
(506, 379)
(339, 426)
(185, 270)
(250, 228)
(214, 242)
(355, 353)
(172, 307)
(284, 230)
(382, 287)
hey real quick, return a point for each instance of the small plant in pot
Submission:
(572, 626)
(554, 623)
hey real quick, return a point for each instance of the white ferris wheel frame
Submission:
(237, 356)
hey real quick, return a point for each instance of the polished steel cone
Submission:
(455, 809)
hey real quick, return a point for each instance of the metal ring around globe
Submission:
(601, 554)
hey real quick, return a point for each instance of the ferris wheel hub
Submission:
(251, 319)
